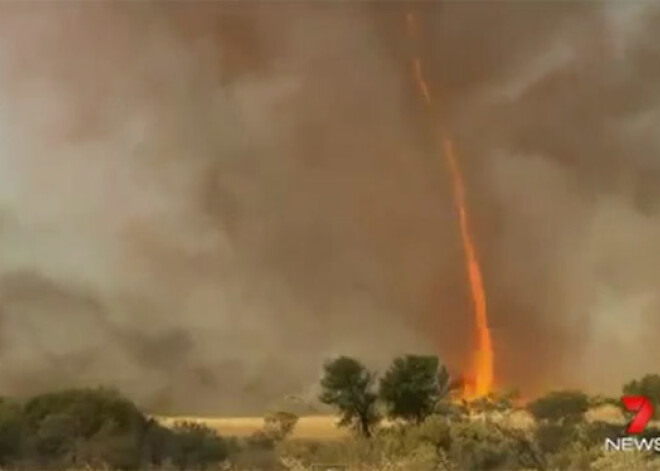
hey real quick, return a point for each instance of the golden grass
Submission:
(606, 413)
(325, 426)
(322, 427)
(314, 426)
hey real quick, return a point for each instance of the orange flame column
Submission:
(483, 356)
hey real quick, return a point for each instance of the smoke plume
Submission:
(201, 202)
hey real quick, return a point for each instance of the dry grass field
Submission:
(315, 426)
(324, 426)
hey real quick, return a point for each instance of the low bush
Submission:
(99, 428)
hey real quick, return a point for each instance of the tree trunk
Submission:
(364, 422)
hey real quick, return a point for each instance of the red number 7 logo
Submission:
(644, 412)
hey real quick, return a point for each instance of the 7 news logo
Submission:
(643, 409)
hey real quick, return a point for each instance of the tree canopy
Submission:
(560, 406)
(347, 385)
(412, 386)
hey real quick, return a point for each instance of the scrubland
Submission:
(423, 427)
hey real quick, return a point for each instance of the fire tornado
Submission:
(483, 357)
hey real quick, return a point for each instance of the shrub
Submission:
(551, 437)
(351, 451)
(637, 461)
(86, 410)
(12, 431)
(279, 425)
(156, 443)
(436, 431)
(484, 446)
(574, 456)
(195, 446)
(560, 406)
(80, 426)
(595, 433)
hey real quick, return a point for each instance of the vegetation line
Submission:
(407, 419)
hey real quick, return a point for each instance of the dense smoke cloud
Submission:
(553, 106)
(201, 202)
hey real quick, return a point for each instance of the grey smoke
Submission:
(200, 202)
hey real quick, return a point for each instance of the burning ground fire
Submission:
(483, 357)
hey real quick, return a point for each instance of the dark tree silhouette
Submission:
(347, 385)
(412, 386)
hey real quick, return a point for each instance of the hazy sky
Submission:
(200, 202)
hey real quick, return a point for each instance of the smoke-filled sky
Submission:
(200, 202)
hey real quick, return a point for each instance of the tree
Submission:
(347, 385)
(648, 386)
(560, 407)
(412, 386)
